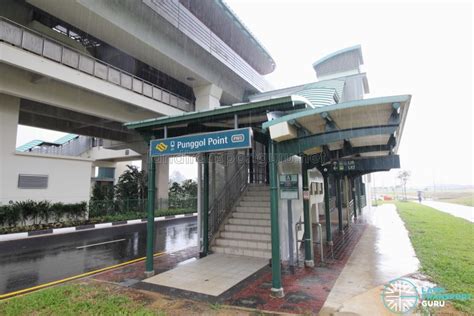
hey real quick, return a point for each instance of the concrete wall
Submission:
(68, 177)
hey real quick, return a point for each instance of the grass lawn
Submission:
(75, 299)
(444, 245)
(465, 200)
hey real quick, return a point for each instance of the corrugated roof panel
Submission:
(319, 96)
(29, 145)
(65, 139)
(337, 84)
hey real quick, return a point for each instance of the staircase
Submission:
(247, 230)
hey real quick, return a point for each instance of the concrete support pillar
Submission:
(162, 171)
(207, 97)
(9, 113)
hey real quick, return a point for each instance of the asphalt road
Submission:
(33, 261)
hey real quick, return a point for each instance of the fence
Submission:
(139, 207)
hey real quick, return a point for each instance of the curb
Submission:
(66, 230)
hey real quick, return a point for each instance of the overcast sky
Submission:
(422, 49)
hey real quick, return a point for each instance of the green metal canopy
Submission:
(368, 127)
(251, 114)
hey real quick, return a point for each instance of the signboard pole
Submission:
(308, 234)
(205, 206)
(150, 229)
(291, 239)
(277, 289)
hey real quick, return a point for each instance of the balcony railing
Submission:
(35, 42)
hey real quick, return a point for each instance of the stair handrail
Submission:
(224, 201)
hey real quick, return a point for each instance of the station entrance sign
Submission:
(198, 143)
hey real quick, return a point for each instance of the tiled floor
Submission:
(212, 275)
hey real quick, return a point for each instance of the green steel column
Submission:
(359, 203)
(205, 206)
(277, 289)
(308, 234)
(150, 226)
(339, 202)
(354, 199)
(327, 213)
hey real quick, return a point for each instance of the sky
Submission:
(423, 49)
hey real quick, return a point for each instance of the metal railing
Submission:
(139, 206)
(225, 200)
(45, 46)
(191, 26)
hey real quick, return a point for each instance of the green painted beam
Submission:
(337, 107)
(221, 112)
(297, 146)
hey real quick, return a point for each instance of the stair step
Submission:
(250, 222)
(247, 229)
(250, 209)
(260, 198)
(249, 252)
(249, 215)
(243, 243)
(255, 203)
(262, 188)
(247, 236)
(252, 192)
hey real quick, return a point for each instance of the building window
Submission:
(32, 181)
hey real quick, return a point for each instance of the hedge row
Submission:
(40, 212)
(91, 220)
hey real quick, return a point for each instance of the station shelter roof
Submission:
(302, 125)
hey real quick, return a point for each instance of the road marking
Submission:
(101, 243)
(41, 286)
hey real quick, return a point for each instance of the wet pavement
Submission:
(462, 211)
(383, 253)
(33, 261)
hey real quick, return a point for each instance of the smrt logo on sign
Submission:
(238, 138)
(161, 147)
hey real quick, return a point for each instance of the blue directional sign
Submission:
(198, 143)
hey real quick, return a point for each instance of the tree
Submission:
(404, 175)
(131, 185)
(175, 190)
(102, 192)
(189, 188)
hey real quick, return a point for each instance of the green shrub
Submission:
(39, 211)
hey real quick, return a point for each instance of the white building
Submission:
(88, 66)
